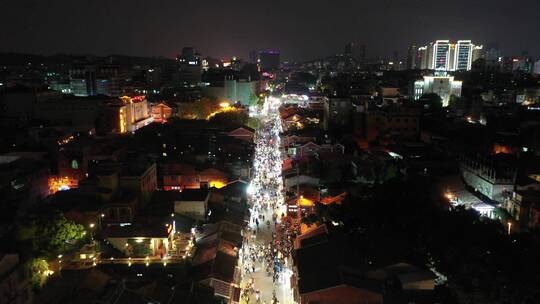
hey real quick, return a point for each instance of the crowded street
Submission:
(265, 257)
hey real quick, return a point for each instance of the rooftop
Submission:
(137, 230)
(194, 194)
(221, 267)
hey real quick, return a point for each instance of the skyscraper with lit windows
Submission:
(443, 55)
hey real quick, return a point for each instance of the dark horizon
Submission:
(301, 30)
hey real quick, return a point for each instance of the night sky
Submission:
(301, 29)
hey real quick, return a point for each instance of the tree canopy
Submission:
(50, 236)
(200, 109)
(230, 118)
(38, 269)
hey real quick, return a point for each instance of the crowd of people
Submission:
(265, 254)
(285, 233)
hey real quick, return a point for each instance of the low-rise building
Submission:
(243, 133)
(312, 149)
(327, 271)
(179, 176)
(216, 260)
(522, 205)
(162, 112)
(141, 241)
(491, 176)
(193, 203)
(140, 179)
(293, 179)
(443, 85)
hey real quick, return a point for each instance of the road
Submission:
(267, 204)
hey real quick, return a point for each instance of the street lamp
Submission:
(509, 224)
(92, 226)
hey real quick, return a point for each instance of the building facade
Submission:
(493, 177)
(243, 91)
(162, 112)
(444, 55)
(443, 85)
(133, 113)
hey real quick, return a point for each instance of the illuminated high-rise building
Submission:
(443, 55)
(465, 53)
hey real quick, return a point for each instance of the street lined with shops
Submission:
(265, 260)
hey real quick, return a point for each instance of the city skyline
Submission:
(302, 31)
(270, 152)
